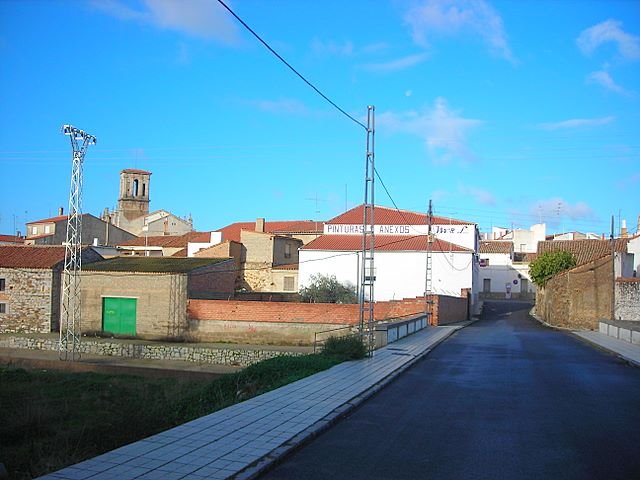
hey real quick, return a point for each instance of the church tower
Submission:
(133, 201)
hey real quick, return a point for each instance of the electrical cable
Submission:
(244, 24)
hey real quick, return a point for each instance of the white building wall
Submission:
(502, 272)
(464, 235)
(633, 247)
(194, 247)
(398, 274)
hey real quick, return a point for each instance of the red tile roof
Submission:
(348, 243)
(60, 218)
(50, 220)
(584, 250)
(133, 170)
(12, 239)
(21, 256)
(391, 216)
(496, 247)
(232, 232)
(291, 266)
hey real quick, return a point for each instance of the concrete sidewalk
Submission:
(625, 350)
(242, 440)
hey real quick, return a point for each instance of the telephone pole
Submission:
(70, 318)
(366, 297)
(428, 288)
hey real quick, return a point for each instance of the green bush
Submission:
(549, 264)
(345, 348)
(327, 289)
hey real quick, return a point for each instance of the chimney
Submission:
(60, 211)
(623, 229)
(260, 225)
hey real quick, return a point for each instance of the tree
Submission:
(327, 289)
(549, 264)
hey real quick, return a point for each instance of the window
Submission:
(3, 284)
(287, 250)
(486, 285)
(34, 230)
(3, 308)
(47, 229)
(484, 262)
(289, 284)
(135, 188)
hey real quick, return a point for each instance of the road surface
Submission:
(504, 398)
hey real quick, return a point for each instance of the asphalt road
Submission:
(504, 398)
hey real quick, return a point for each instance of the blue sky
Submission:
(504, 113)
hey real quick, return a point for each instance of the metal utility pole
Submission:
(613, 272)
(70, 318)
(428, 289)
(366, 296)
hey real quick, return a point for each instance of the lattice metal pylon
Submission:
(70, 314)
(428, 283)
(366, 296)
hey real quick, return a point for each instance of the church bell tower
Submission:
(133, 201)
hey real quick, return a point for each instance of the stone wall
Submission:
(32, 300)
(578, 298)
(235, 356)
(627, 299)
(256, 332)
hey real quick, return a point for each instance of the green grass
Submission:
(51, 419)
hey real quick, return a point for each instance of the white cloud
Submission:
(443, 130)
(282, 106)
(577, 123)
(344, 49)
(197, 18)
(481, 196)
(451, 17)
(602, 78)
(554, 209)
(609, 31)
(398, 64)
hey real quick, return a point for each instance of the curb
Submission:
(277, 455)
(588, 341)
(602, 348)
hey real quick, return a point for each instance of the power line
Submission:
(291, 67)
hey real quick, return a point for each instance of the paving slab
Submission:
(626, 350)
(242, 440)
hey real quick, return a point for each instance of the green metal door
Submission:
(119, 315)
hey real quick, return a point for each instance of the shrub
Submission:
(327, 289)
(549, 264)
(346, 348)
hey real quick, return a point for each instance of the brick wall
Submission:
(229, 249)
(217, 278)
(627, 299)
(32, 300)
(578, 298)
(296, 323)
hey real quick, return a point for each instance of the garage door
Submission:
(119, 315)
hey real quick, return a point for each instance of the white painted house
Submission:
(504, 273)
(401, 244)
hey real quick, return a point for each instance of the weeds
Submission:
(49, 420)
